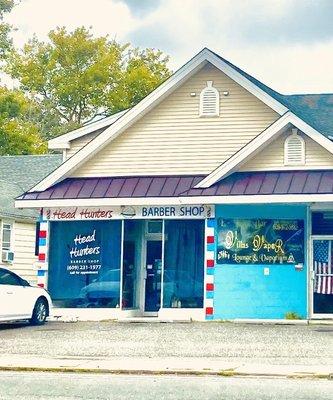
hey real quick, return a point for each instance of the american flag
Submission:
(322, 259)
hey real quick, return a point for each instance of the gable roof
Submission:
(262, 140)
(316, 111)
(154, 98)
(18, 174)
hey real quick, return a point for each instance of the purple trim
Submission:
(239, 183)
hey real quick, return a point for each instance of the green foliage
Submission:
(292, 315)
(75, 77)
(18, 133)
(5, 42)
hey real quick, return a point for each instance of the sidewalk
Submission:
(197, 348)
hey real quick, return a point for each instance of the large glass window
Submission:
(323, 276)
(183, 280)
(84, 263)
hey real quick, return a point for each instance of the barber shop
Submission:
(211, 199)
(128, 258)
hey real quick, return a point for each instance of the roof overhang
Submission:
(63, 142)
(131, 116)
(238, 188)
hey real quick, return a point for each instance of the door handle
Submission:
(10, 293)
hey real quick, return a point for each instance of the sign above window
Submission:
(260, 241)
(127, 212)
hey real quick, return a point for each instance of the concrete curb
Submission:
(221, 373)
(160, 366)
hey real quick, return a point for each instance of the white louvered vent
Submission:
(209, 101)
(294, 149)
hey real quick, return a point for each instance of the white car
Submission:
(21, 301)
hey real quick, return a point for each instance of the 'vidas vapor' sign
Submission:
(127, 212)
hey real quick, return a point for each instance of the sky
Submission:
(287, 44)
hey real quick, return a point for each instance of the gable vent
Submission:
(294, 149)
(209, 101)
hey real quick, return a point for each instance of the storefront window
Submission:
(84, 264)
(322, 223)
(183, 278)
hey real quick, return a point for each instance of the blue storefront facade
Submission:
(267, 290)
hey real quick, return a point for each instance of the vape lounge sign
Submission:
(128, 212)
(260, 241)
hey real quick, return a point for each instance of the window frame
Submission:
(10, 224)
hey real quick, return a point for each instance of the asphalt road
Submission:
(33, 386)
(265, 344)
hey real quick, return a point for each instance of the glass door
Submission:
(132, 254)
(322, 277)
(153, 275)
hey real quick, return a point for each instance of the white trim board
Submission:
(260, 142)
(63, 142)
(131, 116)
(155, 201)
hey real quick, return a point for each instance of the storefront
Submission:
(208, 262)
(136, 261)
(211, 199)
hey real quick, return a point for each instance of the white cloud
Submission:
(253, 34)
(40, 16)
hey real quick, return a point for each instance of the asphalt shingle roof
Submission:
(17, 175)
(314, 109)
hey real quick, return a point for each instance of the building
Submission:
(18, 226)
(210, 199)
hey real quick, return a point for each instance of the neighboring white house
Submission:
(18, 226)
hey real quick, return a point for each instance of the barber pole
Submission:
(209, 268)
(42, 254)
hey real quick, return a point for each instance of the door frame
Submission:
(314, 315)
(146, 236)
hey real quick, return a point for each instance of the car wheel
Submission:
(40, 312)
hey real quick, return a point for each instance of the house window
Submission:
(294, 149)
(6, 236)
(209, 101)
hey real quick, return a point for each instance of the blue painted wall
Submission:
(243, 291)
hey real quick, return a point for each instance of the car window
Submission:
(8, 278)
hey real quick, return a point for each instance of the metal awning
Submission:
(237, 184)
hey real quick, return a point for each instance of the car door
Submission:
(13, 297)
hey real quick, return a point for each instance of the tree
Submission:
(18, 133)
(5, 42)
(75, 77)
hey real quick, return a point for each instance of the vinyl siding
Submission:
(23, 246)
(272, 157)
(173, 139)
(77, 144)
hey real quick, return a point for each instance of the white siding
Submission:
(173, 139)
(77, 144)
(272, 157)
(23, 245)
